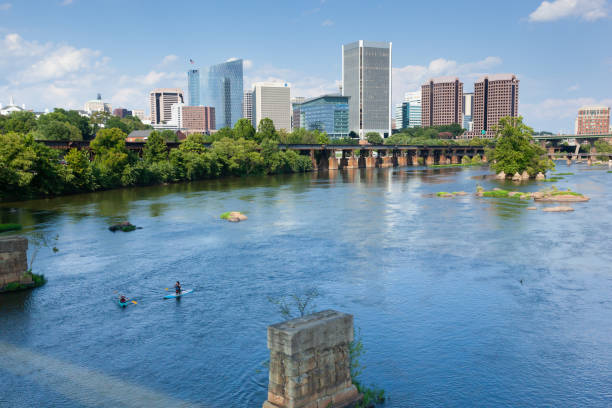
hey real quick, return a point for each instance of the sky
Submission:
(61, 53)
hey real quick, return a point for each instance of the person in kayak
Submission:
(123, 299)
(177, 287)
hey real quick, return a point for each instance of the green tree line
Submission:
(31, 169)
(66, 124)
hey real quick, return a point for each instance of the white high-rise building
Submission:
(161, 100)
(272, 100)
(398, 115)
(412, 101)
(366, 79)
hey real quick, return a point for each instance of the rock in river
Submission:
(558, 209)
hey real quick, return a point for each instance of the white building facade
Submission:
(272, 100)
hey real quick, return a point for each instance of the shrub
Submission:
(10, 227)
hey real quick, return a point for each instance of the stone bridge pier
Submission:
(14, 261)
(310, 363)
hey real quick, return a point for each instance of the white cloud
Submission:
(169, 59)
(574, 88)
(327, 23)
(247, 64)
(67, 2)
(59, 75)
(588, 10)
(302, 84)
(411, 77)
(5, 6)
(554, 110)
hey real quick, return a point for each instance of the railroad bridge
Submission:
(324, 157)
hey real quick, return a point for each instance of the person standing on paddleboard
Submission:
(177, 287)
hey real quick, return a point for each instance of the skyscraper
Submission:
(193, 119)
(468, 111)
(272, 100)
(441, 99)
(247, 105)
(366, 79)
(193, 83)
(495, 96)
(226, 92)
(161, 100)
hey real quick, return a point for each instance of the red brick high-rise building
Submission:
(442, 101)
(495, 96)
(593, 120)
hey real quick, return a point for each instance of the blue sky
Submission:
(63, 52)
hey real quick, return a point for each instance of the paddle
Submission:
(134, 302)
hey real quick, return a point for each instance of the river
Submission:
(460, 301)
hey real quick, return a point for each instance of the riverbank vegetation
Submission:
(31, 169)
(37, 281)
(435, 136)
(515, 151)
(10, 227)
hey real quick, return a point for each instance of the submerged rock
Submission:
(124, 226)
(532, 208)
(561, 198)
(558, 209)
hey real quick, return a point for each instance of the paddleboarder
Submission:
(123, 299)
(177, 287)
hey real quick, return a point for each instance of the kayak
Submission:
(174, 295)
(121, 304)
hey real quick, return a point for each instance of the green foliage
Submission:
(79, 173)
(57, 130)
(225, 215)
(265, 130)
(10, 227)
(345, 141)
(515, 151)
(18, 122)
(603, 147)
(563, 174)
(372, 395)
(28, 168)
(238, 157)
(374, 138)
(496, 193)
(155, 149)
(243, 129)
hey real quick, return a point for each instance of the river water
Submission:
(460, 302)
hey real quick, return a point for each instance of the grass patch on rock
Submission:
(10, 227)
(225, 215)
(563, 174)
(552, 179)
(37, 281)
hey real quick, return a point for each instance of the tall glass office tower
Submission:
(327, 113)
(225, 91)
(193, 84)
(366, 78)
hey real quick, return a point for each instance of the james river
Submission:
(434, 285)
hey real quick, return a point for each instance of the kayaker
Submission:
(177, 287)
(123, 299)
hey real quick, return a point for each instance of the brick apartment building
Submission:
(442, 101)
(593, 120)
(495, 96)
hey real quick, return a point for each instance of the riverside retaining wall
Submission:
(13, 261)
(310, 362)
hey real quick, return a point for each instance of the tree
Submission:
(79, 174)
(265, 130)
(56, 130)
(115, 122)
(353, 135)
(374, 138)
(515, 151)
(243, 129)
(19, 122)
(28, 168)
(155, 149)
(169, 135)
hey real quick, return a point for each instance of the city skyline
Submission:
(53, 62)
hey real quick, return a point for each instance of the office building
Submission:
(97, 105)
(193, 87)
(122, 112)
(226, 92)
(468, 109)
(412, 109)
(247, 105)
(272, 100)
(495, 96)
(296, 102)
(441, 101)
(139, 113)
(398, 116)
(161, 100)
(193, 119)
(326, 113)
(366, 79)
(593, 120)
